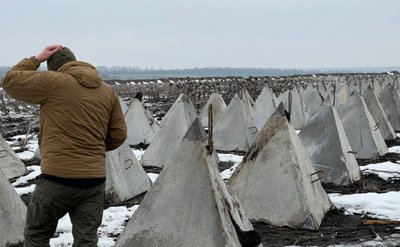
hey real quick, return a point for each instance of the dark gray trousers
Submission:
(51, 201)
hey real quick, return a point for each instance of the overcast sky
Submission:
(206, 33)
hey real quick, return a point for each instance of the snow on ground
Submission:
(395, 149)
(34, 171)
(152, 176)
(236, 159)
(31, 144)
(138, 153)
(384, 170)
(112, 224)
(382, 206)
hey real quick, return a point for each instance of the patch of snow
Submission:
(25, 190)
(236, 159)
(34, 172)
(112, 224)
(138, 153)
(384, 170)
(380, 206)
(32, 145)
(152, 176)
(395, 149)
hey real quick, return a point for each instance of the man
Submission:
(80, 119)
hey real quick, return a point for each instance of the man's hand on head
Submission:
(48, 52)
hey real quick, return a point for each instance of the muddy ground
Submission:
(336, 228)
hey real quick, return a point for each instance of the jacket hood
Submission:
(85, 73)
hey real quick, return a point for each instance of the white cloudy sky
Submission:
(202, 33)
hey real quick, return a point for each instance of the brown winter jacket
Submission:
(80, 116)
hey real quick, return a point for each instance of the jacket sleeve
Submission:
(117, 131)
(24, 83)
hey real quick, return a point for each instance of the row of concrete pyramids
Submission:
(235, 130)
(304, 103)
(134, 234)
(281, 151)
(276, 162)
(177, 193)
(190, 205)
(277, 149)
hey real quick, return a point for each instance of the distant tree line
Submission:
(118, 72)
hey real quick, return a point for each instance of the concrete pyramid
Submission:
(328, 94)
(297, 118)
(140, 127)
(124, 107)
(364, 138)
(169, 136)
(126, 178)
(377, 86)
(342, 95)
(176, 107)
(321, 87)
(181, 209)
(363, 84)
(312, 100)
(10, 163)
(218, 107)
(396, 83)
(379, 115)
(37, 155)
(264, 106)
(246, 97)
(396, 96)
(235, 130)
(387, 100)
(12, 214)
(328, 147)
(276, 181)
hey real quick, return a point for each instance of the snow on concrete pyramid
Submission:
(264, 106)
(126, 178)
(276, 181)
(12, 214)
(10, 163)
(140, 127)
(328, 147)
(189, 204)
(169, 136)
(387, 100)
(235, 130)
(218, 107)
(379, 115)
(361, 130)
